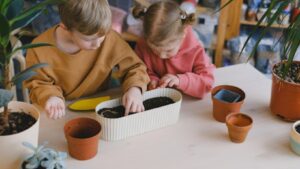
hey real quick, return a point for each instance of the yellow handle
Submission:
(87, 104)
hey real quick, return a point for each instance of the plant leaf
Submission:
(27, 73)
(25, 21)
(4, 31)
(27, 46)
(32, 10)
(4, 6)
(5, 97)
(14, 9)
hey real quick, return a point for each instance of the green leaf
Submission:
(15, 8)
(32, 10)
(25, 21)
(4, 6)
(5, 97)
(4, 31)
(27, 46)
(27, 73)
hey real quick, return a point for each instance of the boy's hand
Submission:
(153, 85)
(55, 108)
(133, 101)
(169, 80)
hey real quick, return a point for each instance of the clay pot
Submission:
(285, 98)
(82, 135)
(221, 108)
(238, 125)
(295, 137)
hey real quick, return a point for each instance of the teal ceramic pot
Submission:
(295, 137)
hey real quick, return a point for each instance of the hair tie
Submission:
(182, 16)
(145, 10)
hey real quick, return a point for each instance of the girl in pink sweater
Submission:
(173, 56)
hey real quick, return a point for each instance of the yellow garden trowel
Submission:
(87, 104)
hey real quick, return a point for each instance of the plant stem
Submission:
(7, 83)
(5, 117)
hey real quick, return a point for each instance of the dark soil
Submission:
(18, 122)
(298, 129)
(24, 164)
(293, 74)
(119, 111)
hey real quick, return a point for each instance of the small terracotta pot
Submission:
(220, 108)
(295, 137)
(238, 125)
(82, 135)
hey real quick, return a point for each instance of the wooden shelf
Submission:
(244, 22)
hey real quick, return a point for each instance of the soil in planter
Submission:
(298, 129)
(293, 74)
(18, 122)
(119, 111)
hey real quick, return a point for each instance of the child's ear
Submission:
(63, 26)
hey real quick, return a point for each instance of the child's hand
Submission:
(55, 108)
(153, 85)
(133, 101)
(169, 80)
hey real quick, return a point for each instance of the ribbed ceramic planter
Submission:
(221, 108)
(295, 137)
(285, 98)
(12, 151)
(135, 124)
(82, 135)
(238, 125)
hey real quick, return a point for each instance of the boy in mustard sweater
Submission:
(85, 51)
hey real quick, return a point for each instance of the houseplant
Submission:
(285, 95)
(12, 18)
(43, 158)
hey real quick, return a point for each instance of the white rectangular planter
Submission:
(135, 124)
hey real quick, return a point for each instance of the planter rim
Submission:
(223, 87)
(36, 118)
(133, 115)
(280, 79)
(68, 136)
(294, 127)
(233, 114)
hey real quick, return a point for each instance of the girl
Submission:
(173, 56)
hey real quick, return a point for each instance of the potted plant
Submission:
(12, 18)
(43, 158)
(285, 97)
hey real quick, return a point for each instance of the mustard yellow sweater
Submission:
(84, 73)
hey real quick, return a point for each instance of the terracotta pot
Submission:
(12, 151)
(285, 98)
(82, 135)
(295, 137)
(238, 125)
(220, 108)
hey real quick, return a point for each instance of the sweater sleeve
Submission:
(131, 70)
(41, 86)
(140, 51)
(200, 81)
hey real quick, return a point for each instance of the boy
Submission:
(86, 50)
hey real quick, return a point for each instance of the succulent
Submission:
(44, 157)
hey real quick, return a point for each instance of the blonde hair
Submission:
(162, 20)
(86, 16)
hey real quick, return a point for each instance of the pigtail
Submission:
(187, 19)
(139, 12)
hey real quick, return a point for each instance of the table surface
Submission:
(197, 140)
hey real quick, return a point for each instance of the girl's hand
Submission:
(169, 80)
(153, 85)
(55, 108)
(132, 100)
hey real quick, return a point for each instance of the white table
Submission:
(197, 140)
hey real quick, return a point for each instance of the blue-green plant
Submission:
(44, 157)
(12, 18)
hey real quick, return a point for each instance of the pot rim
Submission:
(243, 97)
(279, 78)
(242, 114)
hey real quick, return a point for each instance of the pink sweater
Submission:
(191, 65)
